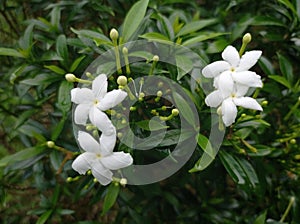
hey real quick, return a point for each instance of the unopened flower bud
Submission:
(175, 112)
(122, 80)
(123, 182)
(264, 103)
(247, 38)
(125, 50)
(50, 144)
(293, 141)
(70, 77)
(114, 34)
(155, 58)
(159, 93)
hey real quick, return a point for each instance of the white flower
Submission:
(228, 100)
(99, 157)
(91, 103)
(234, 68)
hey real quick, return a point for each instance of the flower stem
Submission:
(286, 212)
(293, 109)
(155, 60)
(125, 54)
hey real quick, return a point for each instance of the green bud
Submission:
(155, 58)
(159, 93)
(123, 182)
(114, 35)
(247, 38)
(50, 144)
(122, 80)
(293, 141)
(125, 50)
(175, 112)
(70, 77)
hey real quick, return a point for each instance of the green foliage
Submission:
(250, 179)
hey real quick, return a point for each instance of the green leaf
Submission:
(184, 109)
(286, 68)
(110, 197)
(41, 79)
(58, 128)
(261, 219)
(64, 96)
(55, 69)
(249, 171)
(55, 18)
(133, 19)
(98, 38)
(76, 63)
(10, 52)
(61, 47)
(22, 155)
(205, 145)
(152, 125)
(266, 21)
(195, 26)
(44, 217)
(141, 54)
(184, 65)
(202, 37)
(157, 37)
(289, 5)
(266, 66)
(232, 166)
(281, 80)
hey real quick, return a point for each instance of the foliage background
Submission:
(41, 41)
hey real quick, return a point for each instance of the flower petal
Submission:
(88, 143)
(214, 69)
(241, 90)
(226, 84)
(111, 99)
(99, 86)
(231, 55)
(214, 99)
(248, 60)
(81, 113)
(102, 174)
(229, 112)
(107, 143)
(101, 121)
(247, 78)
(117, 160)
(247, 102)
(82, 95)
(83, 162)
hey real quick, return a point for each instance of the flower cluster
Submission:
(98, 156)
(232, 81)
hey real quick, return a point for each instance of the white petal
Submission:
(81, 113)
(83, 162)
(231, 55)
(229, 112)
(88, 143)
(214, 69)
(117, 160)
(99, 86)
(247, 102)
(82, 95)
(107, 143)
(248, 60)
(111, 99)
(214, 99)
(241, 90)
(101, 121)
(102, 174)
(247, 78)
(226, 84)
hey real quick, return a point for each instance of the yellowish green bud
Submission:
(70, 77)
(114, 35)
(123, 182)
(264, 103)
(69, 179)
(122, 80)
(125, 50)
(159, 93)
(293, 141)
(155, 58)
(175, 112)
(50, 144)
(164, 108)
(247, 38)
(120, 134)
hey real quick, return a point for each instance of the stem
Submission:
(286, 212)
(117, 53)
(292, 110)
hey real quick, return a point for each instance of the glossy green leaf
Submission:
(280, 79)
(64, 96)
(205, 145)
(286, 68)
(44, 217)
(232, 166)
(152, 125)
(261, 219)
(266, 21)
(134, 18)
(141, 54)
(184, 65)
(195, 26)
(266, 65)
(61, 47)
(41, 79)
(10, 52)
(202, 37)
(184, 109)
(76, 63)
(22, 155)
(157, 37)
(110, 197)
(289, 5)
(249, 171)
(55, 69)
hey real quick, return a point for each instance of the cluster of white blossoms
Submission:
(232, 81)
(98, 156)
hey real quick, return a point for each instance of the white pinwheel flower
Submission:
(228, 99)
(92, 103)
(235, 68)
(99, 157)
